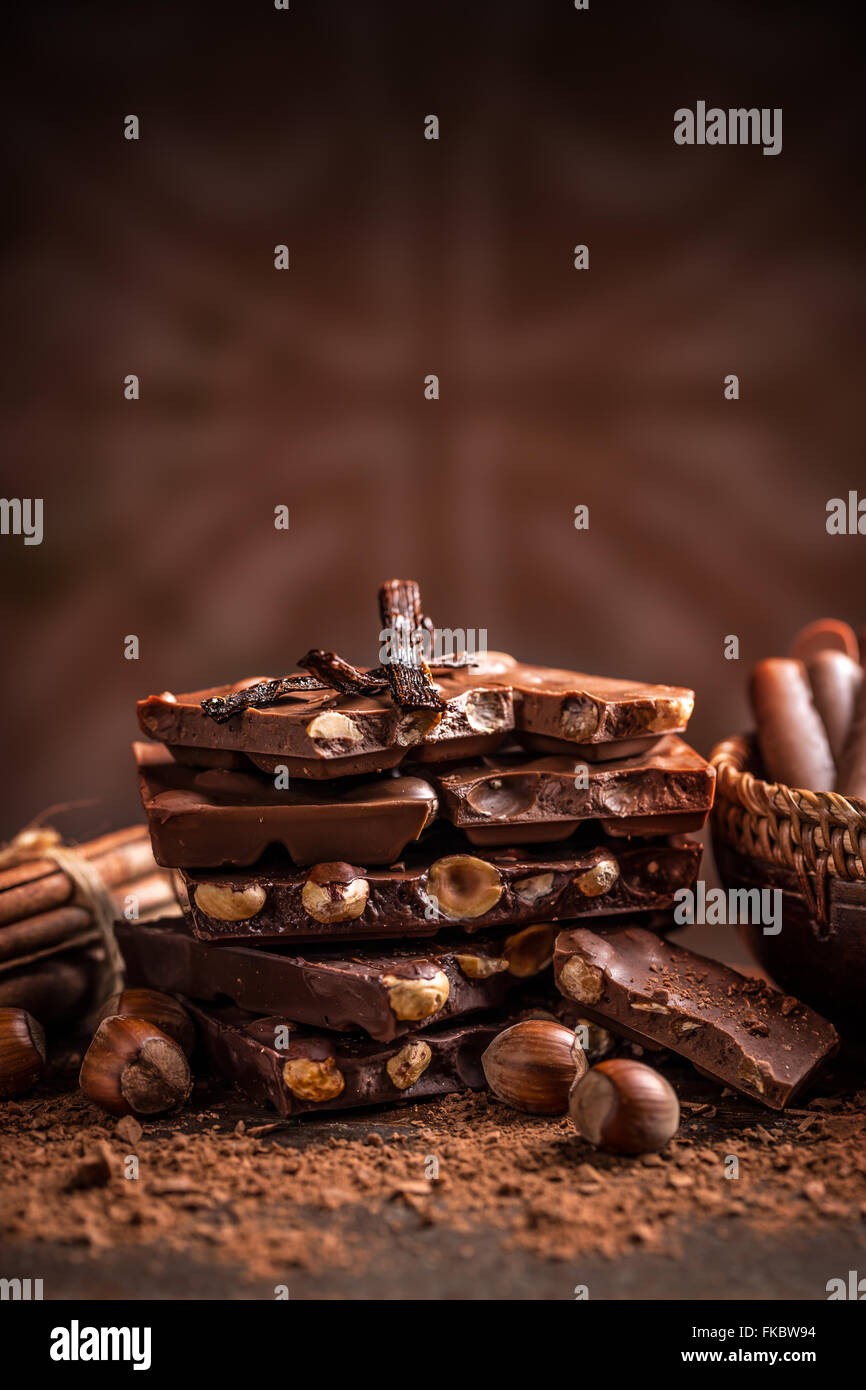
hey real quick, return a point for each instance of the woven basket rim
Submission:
(731, 759)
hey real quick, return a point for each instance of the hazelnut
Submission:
(581, 980)
(227, 904)
(599, 878)
(333, 727)
(529, 951)
(22, 1051)
(409, 1064)
(313, 1080)
(334, 893)
(625, 1107)
(670, 714)
(464, 886)
(416, 997)
(532, 1065)
(579, 718)
(480, 967)
(154, 1007)
(528, 890)
(132, 1067)
(488, 711)
(413, 726)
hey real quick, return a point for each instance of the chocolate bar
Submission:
(443, 887)
(514, 799)
(322, 733)
(274, 1062)
(319, 733)
(733, 1029)
(380, 993)
(218, 817)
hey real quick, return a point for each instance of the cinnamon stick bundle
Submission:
(40, 913)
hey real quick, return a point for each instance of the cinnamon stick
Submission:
(119, 858)
(45, 929)
(54, 991)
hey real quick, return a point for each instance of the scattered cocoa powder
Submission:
(221, 1182)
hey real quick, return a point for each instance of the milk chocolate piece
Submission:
(791, 734)
(734, 1029)
(319, 733)
(825, 634)
(512, 798)
(851, 779)
(218, 817)
(380, 992)
(276, 1063)
(835, 680)
(441, 889)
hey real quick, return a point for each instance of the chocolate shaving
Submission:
(409, 676)
(258, 696)
(341, 675)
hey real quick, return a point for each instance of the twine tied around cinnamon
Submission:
(44, 842)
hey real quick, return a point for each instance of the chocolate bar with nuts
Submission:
(382, 993)
(323, 733)
(275, 1062)
(439, 888)
(733, 1029)
(513, 799)
(214, 816)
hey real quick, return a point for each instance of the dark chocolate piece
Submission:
(293, 1069)
(319, 733)
(511, 797)
(380, 993)
(732, 1028)
(428, 893)
(218, 817)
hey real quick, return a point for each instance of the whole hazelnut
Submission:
(625, 1107)
(22, 1051)
(132, 1067)
(532, 1065)
(334, 893)
(154, 1007)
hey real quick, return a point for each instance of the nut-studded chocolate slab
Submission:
(315, 733)
(515, 799)
(428, 893)
(219, 817)
(733, 1029)
(276, 1063)
(318, 733)
(382, 993)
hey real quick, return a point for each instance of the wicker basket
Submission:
(816, 835)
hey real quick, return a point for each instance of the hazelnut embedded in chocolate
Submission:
(479, 967)
(416, 997)
(529, 951)
(409, 1064)
(227, 904)
(333, 727)
(463, 886)
(599, 878)
(334, 893)
(312, 1079)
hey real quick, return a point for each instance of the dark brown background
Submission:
(411, 257)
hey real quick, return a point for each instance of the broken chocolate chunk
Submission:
(732, 1028)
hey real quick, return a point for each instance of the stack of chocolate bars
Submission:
(374, 863)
